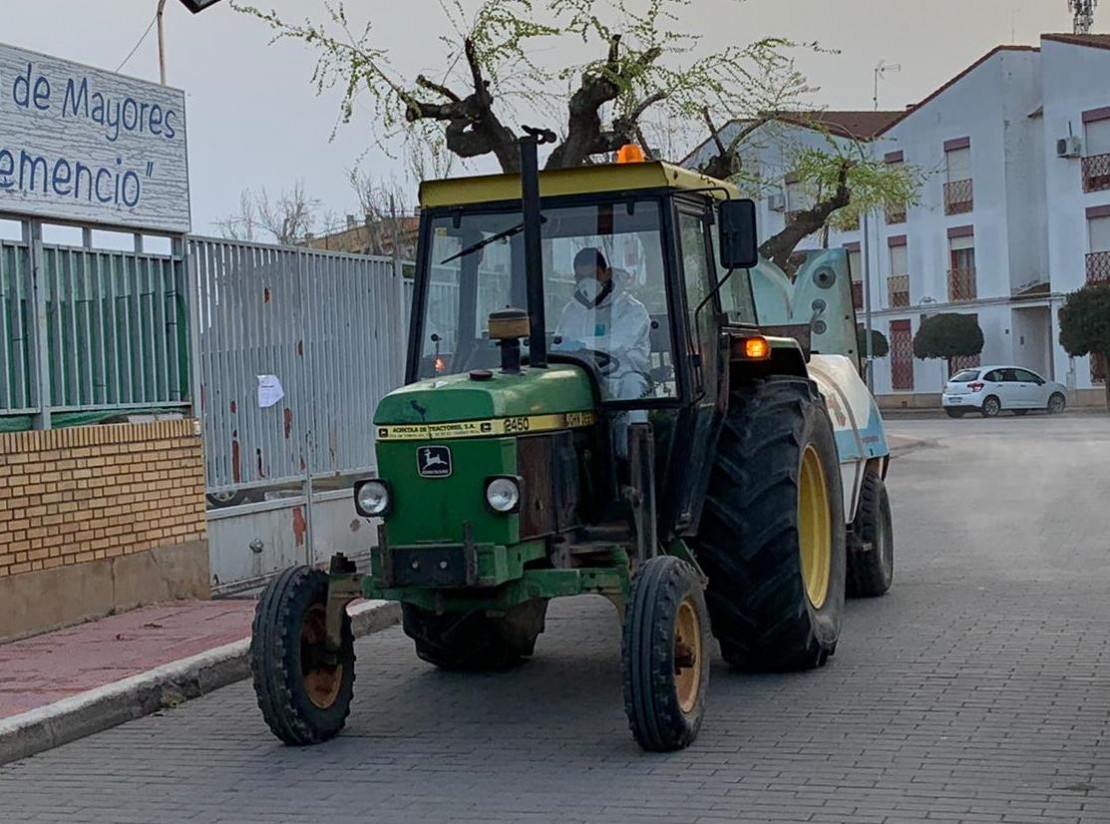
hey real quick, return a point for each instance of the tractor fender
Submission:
(857, 423)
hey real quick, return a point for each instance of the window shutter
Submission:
(899, 260)
(1099, 228)
(959, 164)
(1098, 138)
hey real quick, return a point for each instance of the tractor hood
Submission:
(556, 390)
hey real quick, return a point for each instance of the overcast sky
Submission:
(255, 121)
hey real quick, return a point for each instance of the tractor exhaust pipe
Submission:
(533, 251)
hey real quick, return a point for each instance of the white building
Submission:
(1014, 214)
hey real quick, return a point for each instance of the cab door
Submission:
(696, 426)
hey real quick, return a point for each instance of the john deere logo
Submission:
(434, 461)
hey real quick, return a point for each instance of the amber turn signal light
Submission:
(757, 349)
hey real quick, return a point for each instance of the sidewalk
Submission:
(47, 668)
(62, 685)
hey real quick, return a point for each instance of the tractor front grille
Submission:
(549, 472)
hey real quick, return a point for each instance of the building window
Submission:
(961, 272)
(901, 356)
(1098, 238)
(798, 198)
(959, 196)
(1096, 160)
(895, 214)
(855, 268)
(898, 283)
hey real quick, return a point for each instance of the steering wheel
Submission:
(607, 364)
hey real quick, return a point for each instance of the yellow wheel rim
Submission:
(814, 528)
(321, 681)
(687, 655)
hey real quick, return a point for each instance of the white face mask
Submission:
(591, 291)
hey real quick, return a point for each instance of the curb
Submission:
(99, 709)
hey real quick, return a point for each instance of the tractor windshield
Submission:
(604, 289)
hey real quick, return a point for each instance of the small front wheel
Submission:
(303, 688)
(1057, 404)
(665, 655)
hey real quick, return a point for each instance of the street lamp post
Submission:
(195, 6)
(866, 255)
(159, 15)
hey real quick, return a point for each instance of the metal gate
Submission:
(295, 349)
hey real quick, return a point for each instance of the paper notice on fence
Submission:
(269, 391)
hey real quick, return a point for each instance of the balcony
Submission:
(959, 197)
(961, 285)
(1096, 173)
(1098, 267)
(898, 289)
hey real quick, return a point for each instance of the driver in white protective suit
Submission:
(605, 318)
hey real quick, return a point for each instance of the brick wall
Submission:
(84, 494)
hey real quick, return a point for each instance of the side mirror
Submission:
(738, 240)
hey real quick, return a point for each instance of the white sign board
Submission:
(78, 143)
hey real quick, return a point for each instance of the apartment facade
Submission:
(1014, 212)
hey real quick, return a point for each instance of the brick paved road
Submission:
(978, 690)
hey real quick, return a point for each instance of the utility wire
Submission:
(131, 54)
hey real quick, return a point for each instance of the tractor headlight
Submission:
(372, 499)
(503, 494)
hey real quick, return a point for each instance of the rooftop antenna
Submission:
(880, 73)
(1084, 11)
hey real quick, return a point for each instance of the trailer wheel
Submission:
(665, 655)
(871, 543)
(303, 690)
(772, 534)
(475, 641)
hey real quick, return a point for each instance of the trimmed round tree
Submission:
(880, 347)
(1085, 324)
(946, 336)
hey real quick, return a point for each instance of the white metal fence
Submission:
(329, 329)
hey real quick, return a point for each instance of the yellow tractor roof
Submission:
(622, 177)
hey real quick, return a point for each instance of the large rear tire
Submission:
(475, 641)
(871, 543)
(665, 655)
(303, 689)
(772, 535)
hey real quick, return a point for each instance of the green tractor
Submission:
(632, 433)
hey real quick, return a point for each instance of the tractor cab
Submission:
(634, 300)
(628, 256)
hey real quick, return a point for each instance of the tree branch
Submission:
(584, 134)
(779, 248)
(726, 163)
(424, 83)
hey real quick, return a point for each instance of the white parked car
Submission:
(990, 389)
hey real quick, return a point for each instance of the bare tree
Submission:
(291, 216)
(287, 218)
(491, 78)
(243, 225)
(648, 71)
(385, 211)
